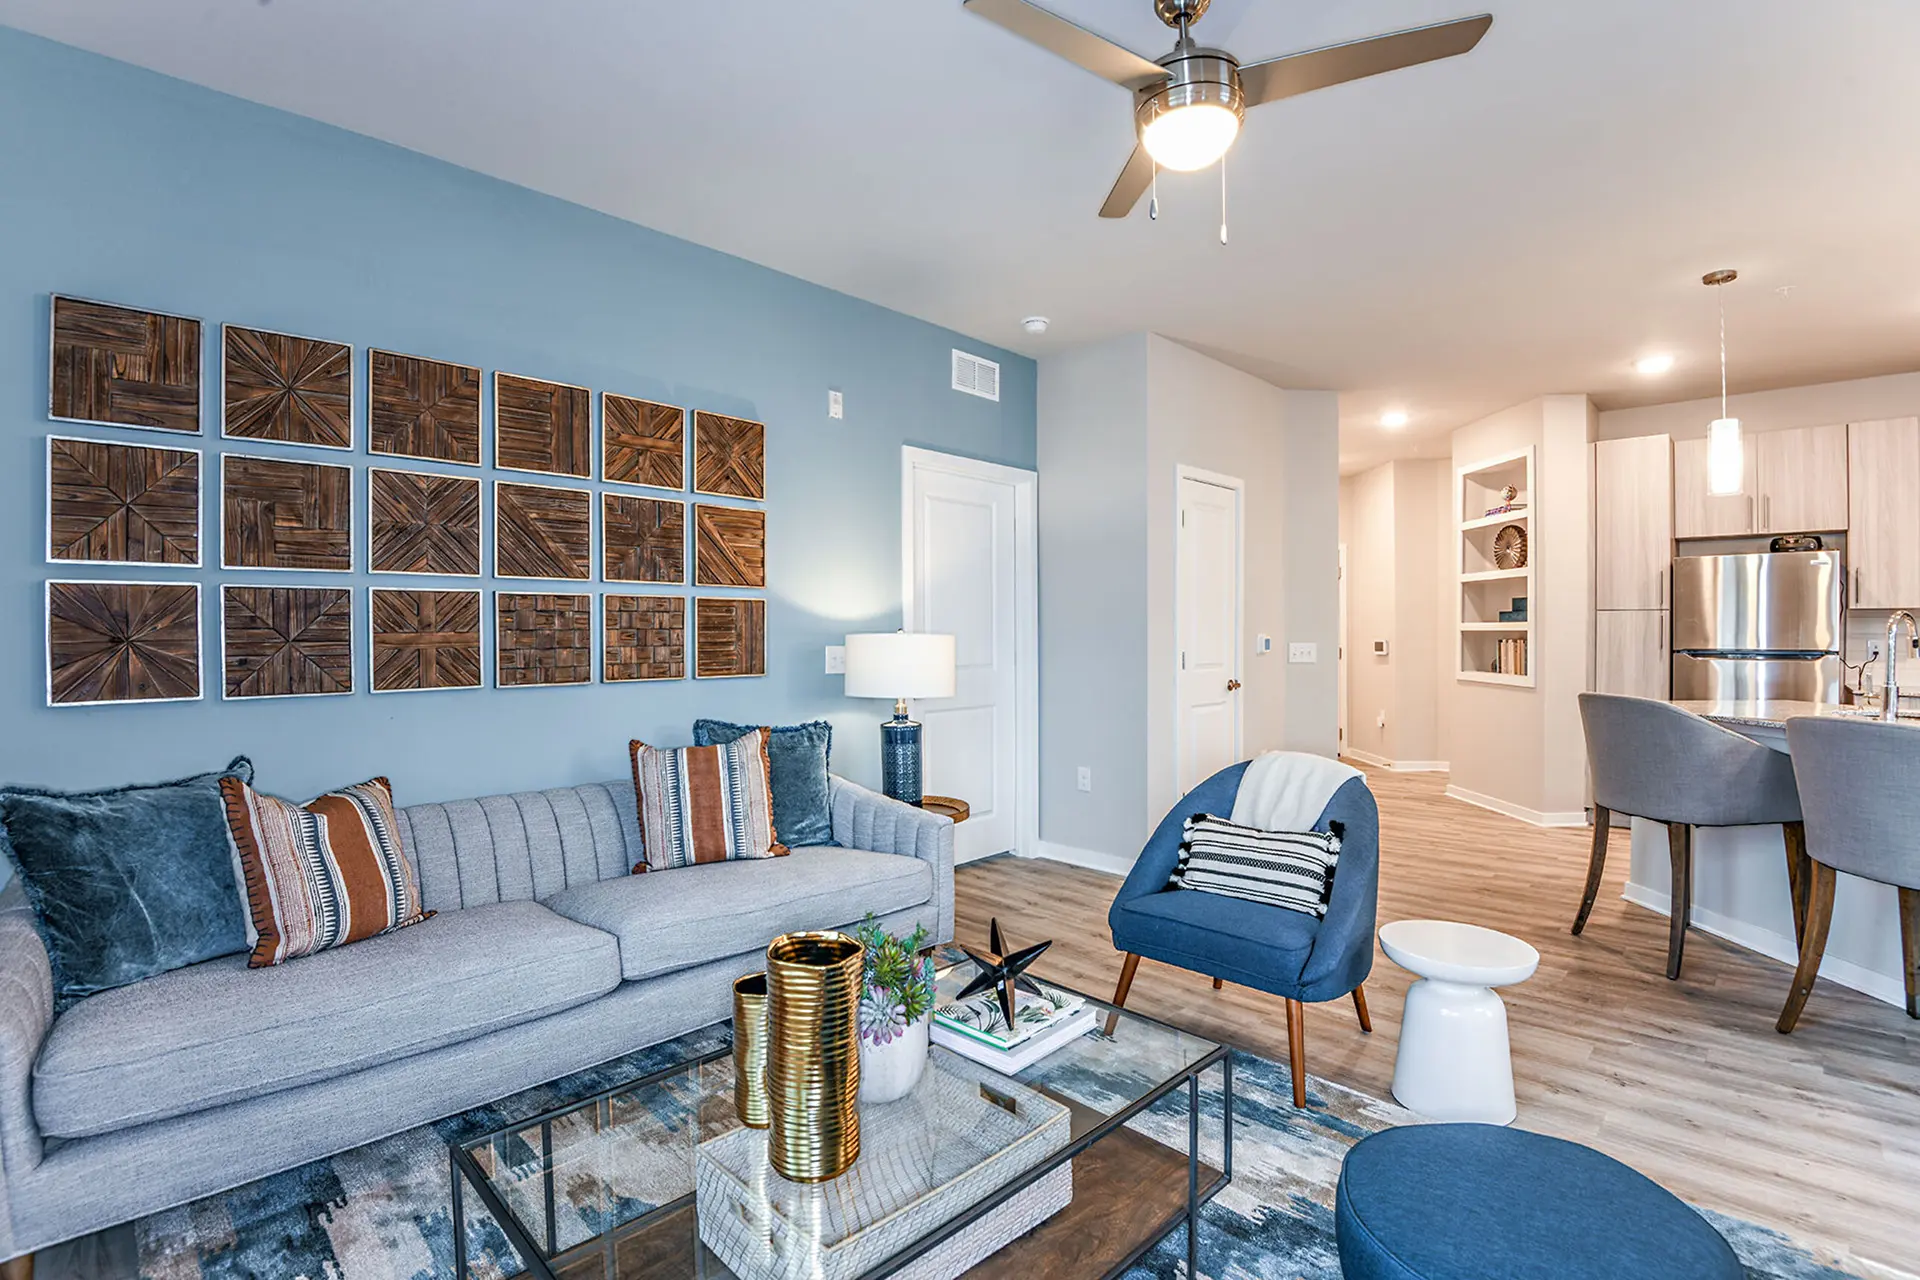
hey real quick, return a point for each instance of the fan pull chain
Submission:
(1223, 199)
(1153, 201)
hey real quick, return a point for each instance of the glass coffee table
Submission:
(1108, 1144)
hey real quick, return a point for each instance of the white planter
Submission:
(888, 1072)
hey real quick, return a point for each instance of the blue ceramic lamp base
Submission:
(900, 758)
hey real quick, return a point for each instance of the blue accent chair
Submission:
(1285, 953)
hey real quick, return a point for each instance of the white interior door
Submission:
(1208, 610)
(970, 561)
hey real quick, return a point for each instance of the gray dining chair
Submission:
(1652, 760)
(1857, 783)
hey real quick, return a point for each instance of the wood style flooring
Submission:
(1816, 1134)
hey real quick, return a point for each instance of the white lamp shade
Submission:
(899, 664)
(1726, 457)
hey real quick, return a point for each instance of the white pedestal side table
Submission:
(1454, 1062)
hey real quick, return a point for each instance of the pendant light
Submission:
(1726, 452)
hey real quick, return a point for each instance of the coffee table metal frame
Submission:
(539, 1260)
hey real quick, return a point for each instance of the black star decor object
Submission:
(998, 969)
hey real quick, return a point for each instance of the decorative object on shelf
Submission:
(1510, 547)
(123, 367)
(750, 1036)
(1002, 972)
(122, 503)
(1726, 452)
(646, 639)
(813, 1054)
(896, 1011)
(279, 514)
(900, 665)
(275, 386)
(643, 442)
(122, 642)
(542, 531)
(1507, 495)
(420, 522)
(542, 638)
(1518, 613)
(286, 642)
(424, 640)
(542, 426)
(644, 539)
(730, 546)
(729, 456)
(729, 637)
(420, 408)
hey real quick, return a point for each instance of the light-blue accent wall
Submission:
(124, 186)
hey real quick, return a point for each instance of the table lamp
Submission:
(900, 665)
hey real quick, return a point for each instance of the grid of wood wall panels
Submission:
(646, 638)
(645, 539)
(730, 636)
(122, 642)
(643, 442)
(276, 386)
(425, 640)
(286, 642)
(542, 638)
(729, 456)
(122, 503)
(423, 522)
(123, 367)
(420, 408)
(276, 513)
(542, 426)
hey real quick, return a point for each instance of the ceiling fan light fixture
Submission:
(1189, 122)
(1191, 137)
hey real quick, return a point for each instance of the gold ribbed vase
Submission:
(750, 1050)
(813, 1054)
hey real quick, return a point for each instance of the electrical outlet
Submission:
(836, 659)
(1381, 720)
(836, 407)
(1873, 651)
(1299, 652)
(1084, 779)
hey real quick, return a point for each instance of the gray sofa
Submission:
(546, 956)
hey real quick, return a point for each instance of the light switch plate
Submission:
(836, 407)
(1084, 779)
(1303, 651)
(836, 659)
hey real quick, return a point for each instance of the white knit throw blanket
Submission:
(1288, 790)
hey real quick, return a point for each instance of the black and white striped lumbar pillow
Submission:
(1290, 869)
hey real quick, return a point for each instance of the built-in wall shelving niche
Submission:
(1492, 648)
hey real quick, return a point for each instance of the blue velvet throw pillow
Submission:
(128, 883)
(797, 759)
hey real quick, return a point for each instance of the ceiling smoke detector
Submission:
(1036, 324)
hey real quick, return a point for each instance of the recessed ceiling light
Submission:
(1393, 419)
(1653, 366)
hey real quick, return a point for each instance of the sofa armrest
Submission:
(864, 819)
(26, 1013)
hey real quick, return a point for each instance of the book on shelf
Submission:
(1510, 656)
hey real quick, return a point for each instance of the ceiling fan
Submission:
(1188, 105)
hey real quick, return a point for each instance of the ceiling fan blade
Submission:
(1299, 73)
(1076, 44)
(1133, 183)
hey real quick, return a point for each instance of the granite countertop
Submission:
(1775, 714)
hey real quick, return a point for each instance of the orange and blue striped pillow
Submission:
(704, 804)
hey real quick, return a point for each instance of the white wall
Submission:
(1394, 593)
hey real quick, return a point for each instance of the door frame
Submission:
(1026, 629)
(1340, 657)
(1182, 473)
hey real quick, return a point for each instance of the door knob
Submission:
(1232, 686)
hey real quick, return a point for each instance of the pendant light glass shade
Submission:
(1190, 137)
(1726, 458)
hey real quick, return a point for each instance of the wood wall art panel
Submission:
(542, 638)
(275, 386)
(643, 442)
(646, 539)
(286, 642)
(423, 408)
(425, 640)
(124, 367)
(730, 547)
(122, 642)
(729, 456)
(730, 637)
(646, 638)
(122, 503)
(540, 531)
(423, 523)
(279, 514)
(542, 426)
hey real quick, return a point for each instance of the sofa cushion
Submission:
(695, 914)
(219, 1032)
(798, 758)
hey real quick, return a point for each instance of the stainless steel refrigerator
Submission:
(1767, 625)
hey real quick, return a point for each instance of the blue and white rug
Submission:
(383, 1212)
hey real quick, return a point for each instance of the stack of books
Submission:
(976, 1029)
(1511, 657)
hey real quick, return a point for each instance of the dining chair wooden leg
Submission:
(1360, 1007)
(1297, 1050)
(1596, 865)
(1217, 984)
(1819, 917)
(1680, 853)
(1794, 836)
(1910, 946)
(1120, 992)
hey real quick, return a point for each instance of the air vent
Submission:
(975, 376)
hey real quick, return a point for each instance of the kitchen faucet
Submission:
(1890, 697)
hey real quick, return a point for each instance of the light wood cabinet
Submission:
(1632, 522)
(1630, 652)
(1699, 514)
(1803, 479)
(1883, 528)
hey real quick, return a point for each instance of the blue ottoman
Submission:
(1481, 1202)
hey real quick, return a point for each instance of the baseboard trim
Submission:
(1773, 946)
(1397, 766)
(1533, 817)
(1112, 863)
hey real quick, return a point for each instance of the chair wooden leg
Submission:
(1680, 852)
(1217, 984)
(1120, 992)
(1813, 946)
(1297, 1050)
(1360, 1007)
(1794, 836)
(1910, 946)
(1596, 865)
(20, 1268)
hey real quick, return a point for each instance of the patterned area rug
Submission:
(383, 1211)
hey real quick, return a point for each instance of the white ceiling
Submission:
(1449, 239)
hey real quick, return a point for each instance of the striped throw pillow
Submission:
(1288, 869)
(320, 874)
(704, 804)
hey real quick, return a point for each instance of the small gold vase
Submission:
(750, 1050)
(813, 1054)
